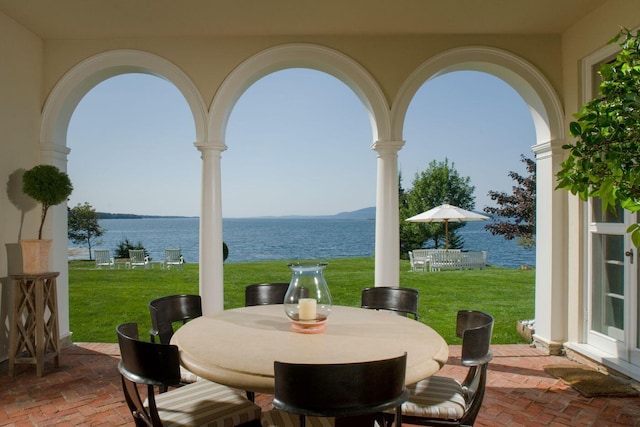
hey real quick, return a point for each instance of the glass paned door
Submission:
(608, 285)
(613, 277)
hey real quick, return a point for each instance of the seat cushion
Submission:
(188, 377)
(435, 397)
(276, 418)
(205, 403)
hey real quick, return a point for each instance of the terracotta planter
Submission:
(35, 256)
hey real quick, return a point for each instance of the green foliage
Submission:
(439, 183)
(122, 251)
(83, 226)
(604, 161)
(49, 186)
(101, 299)
(518, 209)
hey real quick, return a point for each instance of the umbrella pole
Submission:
(446, 234)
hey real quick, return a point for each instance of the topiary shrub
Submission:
(49, 186)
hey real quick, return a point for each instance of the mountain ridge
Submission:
(364, 213)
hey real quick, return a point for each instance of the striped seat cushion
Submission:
(276, 418)
(188, 377)
(205, 403)
(436, 397)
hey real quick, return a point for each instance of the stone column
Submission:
(211, 262)
(387, 246)
(551, 246)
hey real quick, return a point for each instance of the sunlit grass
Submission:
(101, 299)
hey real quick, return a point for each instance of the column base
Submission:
(552, 348)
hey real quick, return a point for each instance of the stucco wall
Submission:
(583, 39)
(390, 60)
(21, 101)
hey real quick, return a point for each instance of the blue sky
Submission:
(298, 143)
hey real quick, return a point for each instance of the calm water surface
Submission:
(256, 239)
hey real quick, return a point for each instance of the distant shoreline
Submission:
(365, 213)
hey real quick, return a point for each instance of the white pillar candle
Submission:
(307, 309)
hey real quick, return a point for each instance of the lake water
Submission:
(257, 239)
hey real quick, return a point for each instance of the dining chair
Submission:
(157, 366)
(402, 301)
(444, 401)
(169, 310)
(265, 293)
(342, 394)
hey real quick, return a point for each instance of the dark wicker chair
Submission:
(157, 366)
(403, 301)
(265, 293)
(354, 394)
(168, 310)
(443, 401)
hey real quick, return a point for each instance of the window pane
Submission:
(608, 284)
(598, 215)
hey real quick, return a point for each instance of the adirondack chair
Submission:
(138, 258)
(173, 257)
(417, 263)
(103, 258)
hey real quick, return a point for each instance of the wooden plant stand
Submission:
(34, 329)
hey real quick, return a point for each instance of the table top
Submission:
(238, 347)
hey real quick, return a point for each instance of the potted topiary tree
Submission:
(49, 186)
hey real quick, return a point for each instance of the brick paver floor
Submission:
(86, 391)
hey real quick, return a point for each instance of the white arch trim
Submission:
(537, 92)
(68, 92)
(300, 55)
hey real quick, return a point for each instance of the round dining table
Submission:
(238, 347)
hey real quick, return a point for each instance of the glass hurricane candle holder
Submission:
(308, 301)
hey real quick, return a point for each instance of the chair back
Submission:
(475, 328)
(148, 364)
(340, 390)
(265, 293)
(137, 257)
(103, 258)
(173, 257)
(168, 310)
(403, 301)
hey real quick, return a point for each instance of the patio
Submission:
(86, 391)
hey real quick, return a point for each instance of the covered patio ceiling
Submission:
(99, 19)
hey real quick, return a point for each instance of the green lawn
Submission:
(101, 299)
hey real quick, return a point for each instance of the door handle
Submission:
(629, 253)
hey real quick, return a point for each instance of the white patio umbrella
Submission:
(445, 213)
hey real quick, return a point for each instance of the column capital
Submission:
(214, 145)
(387, 146)
(54, 154)
(549, 148)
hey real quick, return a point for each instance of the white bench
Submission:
(450, 259)
(458, 260)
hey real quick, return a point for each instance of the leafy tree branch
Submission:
(604, 160)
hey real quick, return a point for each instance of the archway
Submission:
(57, 113)
(274, 59)
(547, 115)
